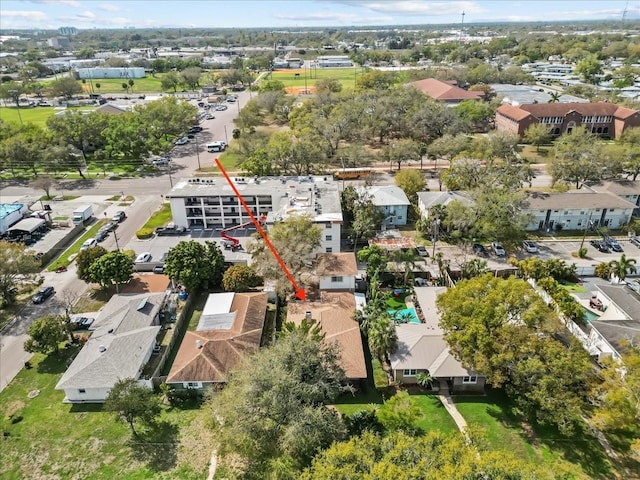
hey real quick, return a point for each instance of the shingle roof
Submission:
(125, 329)
(619, 333)
(336, 264)
(387, 196)
(439, 90)
(334, 313)
(619, 187)
(574, 199)
(430, 199)
(625, 299)
(419, 347)
(209, 355)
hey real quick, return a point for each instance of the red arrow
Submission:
(300, 293)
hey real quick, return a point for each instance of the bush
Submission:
(582, 253)
(183, 397)
(145, 233)
(359, 422)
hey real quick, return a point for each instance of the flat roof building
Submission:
(210, 203)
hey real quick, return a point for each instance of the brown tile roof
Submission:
(334, 313)
(209, 355)
(539, 110)
(330, 264)
(439, 90)
(574, 199)
(146, 282)
(514, 113)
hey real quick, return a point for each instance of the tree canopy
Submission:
(45, 334)
(273, 407)
(131, 401)
(194, 265)
(504, 330)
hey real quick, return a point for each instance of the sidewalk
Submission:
(448, 404)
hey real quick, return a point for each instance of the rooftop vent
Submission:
(198, 344)
(307, 315)
(102, 349)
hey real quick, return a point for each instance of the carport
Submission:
(26, 226)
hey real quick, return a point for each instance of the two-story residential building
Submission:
(391, 201)
(628, 190)
(210, 203)
(428, 200)
(602, 118)
(337, 271)
(574, 210)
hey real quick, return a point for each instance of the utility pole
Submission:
(436, 231)
(586, 228)
(197, 151)
(169, 170)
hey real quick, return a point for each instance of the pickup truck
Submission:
(170, 230)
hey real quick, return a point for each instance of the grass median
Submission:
(159, 219)
(64, 259)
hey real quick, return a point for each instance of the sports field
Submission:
(37, 115)
(296, 80)
(147, 84)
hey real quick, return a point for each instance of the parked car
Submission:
(600, 246)
(635, 241)
(530, 246)
(81, 323)
(161, 161)
(43, 294)
(89, 243)
(143, 258)
(110, 226)
(158, 269)
(182, 141)
(221, 108)
(170, 230)
(498, 249)
(208, 116)
(231, 100)
(119, 216)
(101, 235)
(479, 249)
(422, 251)
(195, 129)
(613, 244)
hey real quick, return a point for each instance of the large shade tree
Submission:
(504, 330)
(194, 265)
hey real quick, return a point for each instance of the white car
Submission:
(530, 246)
(498, 249)
(182, 141)
(88, 243)
(144, 257)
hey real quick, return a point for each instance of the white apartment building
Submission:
(210, 203)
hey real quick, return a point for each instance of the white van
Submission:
(218, 146)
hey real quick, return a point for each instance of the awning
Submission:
(28, 225)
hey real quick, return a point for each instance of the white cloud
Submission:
(109, 7)
(330, 18)
(413, 8)
(31, 15)
(66, 3)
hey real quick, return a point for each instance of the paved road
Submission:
(148, 193)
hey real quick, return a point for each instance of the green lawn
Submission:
(64, 258)
(37, 115)
(579, 457)
(114, 85)
(160, 218)
(346, 76)
(44, 438)
(572, 287)
(395, 303)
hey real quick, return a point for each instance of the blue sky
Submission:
(84, 14)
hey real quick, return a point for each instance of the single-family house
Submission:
(122, 342)
(619, 323)
(230, 329)
(391, 201)
(446, 92)
(601, 118)
(428, 200)
(334, 314)
(337, 271)
(422, 348)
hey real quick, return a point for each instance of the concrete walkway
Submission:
(447, 401)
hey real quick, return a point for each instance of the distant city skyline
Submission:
(89, 14)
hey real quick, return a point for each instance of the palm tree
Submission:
(424, 379)
(619, 268)
(554, 97)
(382, 337)
(409, 258)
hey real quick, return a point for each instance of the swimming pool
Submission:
(400, 314)
(589, 316)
